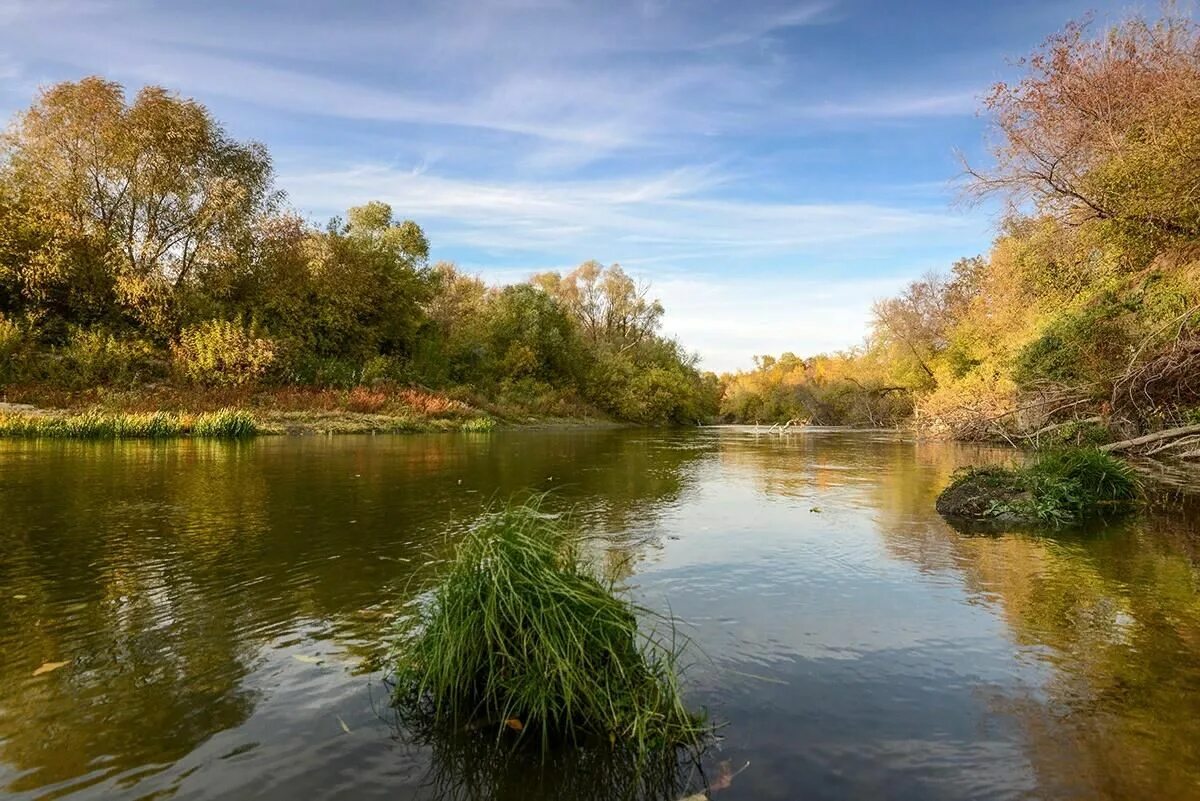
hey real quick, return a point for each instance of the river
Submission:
(222, 610)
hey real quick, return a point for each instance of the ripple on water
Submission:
(220, 610)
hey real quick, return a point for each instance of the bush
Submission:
(12, 347)
(93, 357)
(1077, 348)
(222, 353)
(521, 634)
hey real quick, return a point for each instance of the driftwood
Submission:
(1158, 436)
(1172, 444)
(1056, 426)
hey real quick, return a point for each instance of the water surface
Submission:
(220, 609)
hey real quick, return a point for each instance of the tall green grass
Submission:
(1059, 487)
(478, 425)
(1071, 485)
(95, 424)
(523, 636)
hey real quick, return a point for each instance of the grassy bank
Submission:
(520, 636)
(1060, 487)
(166, 410)
(95, 424)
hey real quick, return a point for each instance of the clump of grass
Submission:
(96, 424)
(522, 635)
(1071, 485)
(225, 424)
(479, 425)
(1060, 487)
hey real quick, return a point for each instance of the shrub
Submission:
(222, 353)
(522, 635)
(1077, 348)
(94, 357)
(1076, 433)
(1061, 487)
(12, 347)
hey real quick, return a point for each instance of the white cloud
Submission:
(641, 218)
(897, 105)
(729, 320)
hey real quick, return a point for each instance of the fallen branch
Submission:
(1064, 424)
(1170, 433)
(1178, 443)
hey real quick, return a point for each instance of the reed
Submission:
(96, 424)
(522, 635)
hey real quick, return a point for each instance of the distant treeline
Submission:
(1087, 306)
(140, 243)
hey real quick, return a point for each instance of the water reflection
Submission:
(220, 604)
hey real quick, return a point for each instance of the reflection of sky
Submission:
(838, 665)
(224, 608)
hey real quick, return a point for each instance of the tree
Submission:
(136, 198)
(1105, 129)
(917, 323)
(610, 307)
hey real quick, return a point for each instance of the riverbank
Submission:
(166, 411)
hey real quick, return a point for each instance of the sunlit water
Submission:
(221, 609)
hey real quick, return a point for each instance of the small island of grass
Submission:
(522, 637)
(1060, 487)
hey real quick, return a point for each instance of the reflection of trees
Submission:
(1112, 611)
(162, 569)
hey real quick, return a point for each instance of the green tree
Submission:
(128, 201)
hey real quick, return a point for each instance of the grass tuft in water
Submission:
(95, 424)
(521, 635)
(1060, 487)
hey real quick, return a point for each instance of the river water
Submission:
(221, 612)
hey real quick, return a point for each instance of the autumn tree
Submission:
(129, 200)
(1104, 128)
(611, 307)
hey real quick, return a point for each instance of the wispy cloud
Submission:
(897, 105)
(631, 219)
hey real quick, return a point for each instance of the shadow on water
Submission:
(219, 609)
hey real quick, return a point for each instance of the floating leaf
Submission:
(306, 659)
(49, 666)
(514, 724)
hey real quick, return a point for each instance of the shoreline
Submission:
(98, 422)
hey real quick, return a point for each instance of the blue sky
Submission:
(770, 167)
